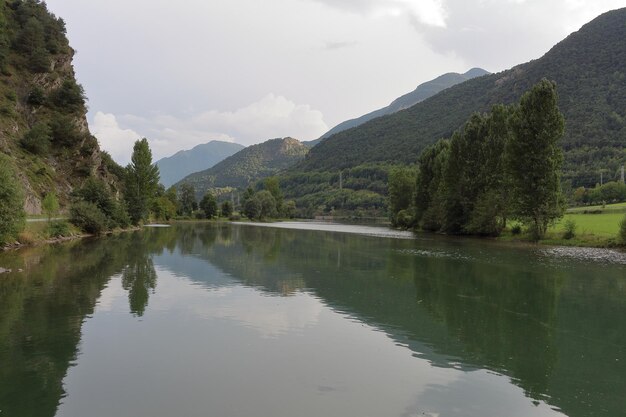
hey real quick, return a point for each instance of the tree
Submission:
(50, 205)
(187, 199)
(534, 158)
(272, 185)
(37, 139)
(429, 197)
(267, 203)
(142, 180)
(401, 191)
(12, 214)
(252, 208)
(227, 209)
(208, 204)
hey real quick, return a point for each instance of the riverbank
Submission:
(34, 234)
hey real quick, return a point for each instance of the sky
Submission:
(185, 72)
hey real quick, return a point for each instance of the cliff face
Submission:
(43, 124)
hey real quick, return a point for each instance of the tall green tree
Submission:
(429, 194)
(12, 214)
(50, 205)
(534, 158)
(208, 204)
(142, 180)
(401, 192)
(187, 203)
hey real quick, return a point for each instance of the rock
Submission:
(4, 271)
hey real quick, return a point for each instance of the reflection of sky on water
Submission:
(211, 346)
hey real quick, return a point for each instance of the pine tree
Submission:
(142, 180)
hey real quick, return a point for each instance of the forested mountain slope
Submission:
(249, 164)
(43, 129)
(589, 67)
(201, 157)
(421, 93)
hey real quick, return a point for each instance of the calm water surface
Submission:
(240, 320)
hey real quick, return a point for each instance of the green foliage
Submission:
(36, 97)
(64, 130)
(187, 202)
(272, 185)
(226, 209)
(570, 229)
(163, 208)
(267, 203)
(69, 97)
(12, 214)
(50, 205)
(142, 180)
(589, 70)
(37, 139)
(248, 165)
(96, 192)
(58, 228)
(39, 60)
(516, 229)
(404, 219)
(208, 205)
(534, 158)
(252, 208)
(401, 195)
(504, 163)
(88, 217)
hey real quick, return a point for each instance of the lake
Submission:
(286, 320)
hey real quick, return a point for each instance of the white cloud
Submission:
(113, 139)
(427, 12)
(271, 117)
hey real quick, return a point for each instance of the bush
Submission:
(64, 130)
(516, 230)
(58, 229)
(37, 140)
(88, 217)
(11, 202)
(622, 231)
(36, 97)
(69, 97)
(404, 219)
(570, 229)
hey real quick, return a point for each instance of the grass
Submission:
(592, 229)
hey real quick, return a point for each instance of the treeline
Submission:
(610, 192)
(503, 165)
(357, 190)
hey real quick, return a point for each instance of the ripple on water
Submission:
(587, 254)
(434, 254)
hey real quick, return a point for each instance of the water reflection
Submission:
(318, 306)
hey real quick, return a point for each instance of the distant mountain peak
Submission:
(182, 163)
(421, 93)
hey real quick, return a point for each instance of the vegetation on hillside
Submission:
(247, 166)
(588, 67)
(43, 129)
(502, 165)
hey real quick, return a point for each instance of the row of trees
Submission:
(502, 165)
(610, 192)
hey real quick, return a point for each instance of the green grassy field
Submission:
(592, 229)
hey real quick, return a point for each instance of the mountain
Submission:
(201, 157)
(249, 164)
(44, 135)
(589, 67)
(421, 93)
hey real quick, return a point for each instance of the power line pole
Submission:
(622, 176)
(340, 180)
(601, 178)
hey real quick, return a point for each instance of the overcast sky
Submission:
(186, 72)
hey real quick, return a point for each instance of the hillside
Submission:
(199, 158)
(421, 93)
(43, 128)
(589, 69)
(249, 164)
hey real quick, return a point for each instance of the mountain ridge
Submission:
(421, 93)
(588, 67)
(249, 164)
(203, 156)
